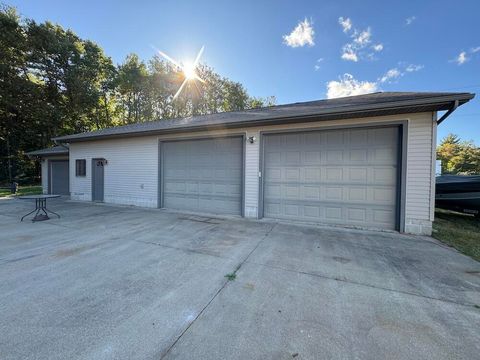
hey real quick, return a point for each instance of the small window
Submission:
(80, 167)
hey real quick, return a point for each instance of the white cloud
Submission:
(391, 75)
(465, 56)
(462, 58)
(349, 53)
(317, 64)
(363, 38)
(359, 47)
(410, 20)
(349, 86)
(302, 35)
(346, 23)
(397, 72)
(413, 68)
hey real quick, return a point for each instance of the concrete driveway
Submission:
(112, 282)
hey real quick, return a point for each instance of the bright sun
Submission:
(189, 71)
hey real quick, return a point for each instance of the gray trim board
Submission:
(402, 186)
(244, 154)
(49, 171)
(401, 161)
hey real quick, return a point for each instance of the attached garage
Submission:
(345, 176)
(59, 177)
(204, 175)
(55, 169)
(361, 161)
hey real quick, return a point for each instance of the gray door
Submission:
(97, 179)
(203, 175)
(334, 177)
(59, 175)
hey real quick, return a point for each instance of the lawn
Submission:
(460, 231)
(22, 190)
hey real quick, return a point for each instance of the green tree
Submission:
(458, 157)
(52, 82)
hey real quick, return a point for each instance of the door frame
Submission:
(161, 162)
(401, 161)
(49, 171)
(94, 160)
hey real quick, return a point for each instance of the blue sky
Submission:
(382, 45)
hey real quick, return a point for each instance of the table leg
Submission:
(40, 207)
(31, 212)
(50, 211)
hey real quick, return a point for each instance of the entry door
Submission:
(59, 182)
(345, 177)
(97, 179)
(204, 175)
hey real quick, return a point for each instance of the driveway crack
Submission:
(223, 286)
(352, 282)
(183, 249)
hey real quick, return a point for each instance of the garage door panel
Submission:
(334, 174)
(312, 174)
(358, 137)
(339, 177)
(358, 174)
(358, 156)
(203, 175)
(335, 156)
(385, 175)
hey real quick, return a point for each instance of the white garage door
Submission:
(338, 177)
(203, 175)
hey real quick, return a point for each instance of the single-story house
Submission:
(365, 161)
(55, 169)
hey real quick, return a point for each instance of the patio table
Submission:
(40, 206)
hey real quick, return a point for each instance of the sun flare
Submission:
(189, 71)
(187, 68)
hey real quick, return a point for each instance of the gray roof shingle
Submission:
(55, 150)
(376, 104)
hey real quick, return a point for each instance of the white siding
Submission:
(251, 175)
(420, 169)
(131, 176)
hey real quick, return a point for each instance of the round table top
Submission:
(39, 196)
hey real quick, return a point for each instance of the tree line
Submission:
(458, 157)
(53, 83)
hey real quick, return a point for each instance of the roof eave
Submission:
(369, 110)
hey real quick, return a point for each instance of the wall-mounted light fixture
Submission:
(251, 139)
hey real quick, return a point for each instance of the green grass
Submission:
(457, 230)
(22, 190)
(231, 276)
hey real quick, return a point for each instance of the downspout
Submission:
(449, 112)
